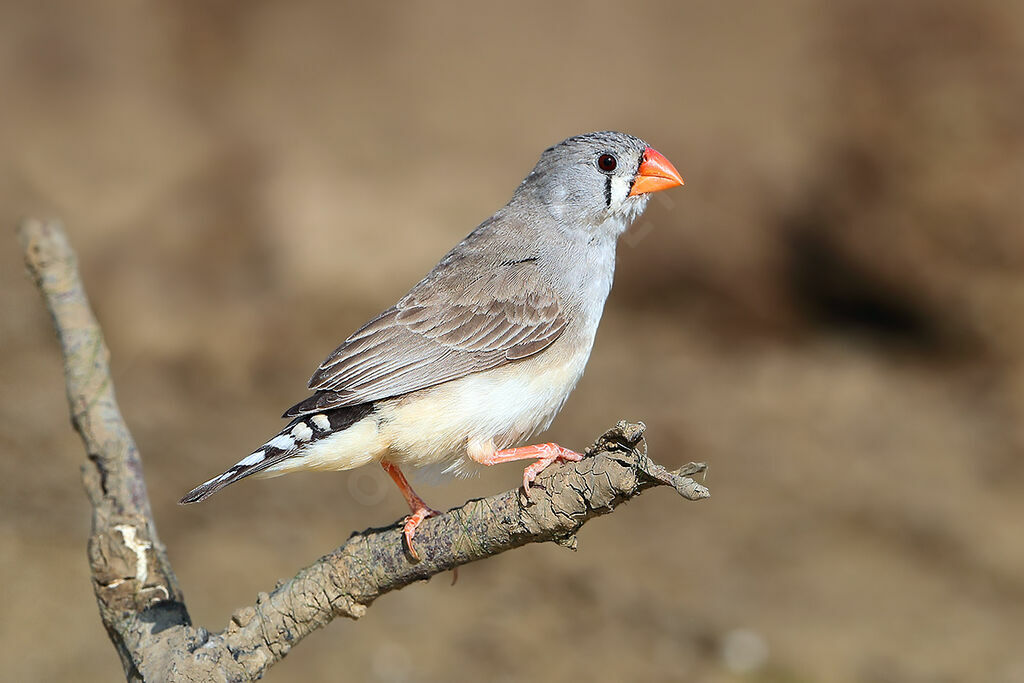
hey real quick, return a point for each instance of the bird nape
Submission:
(483, 352)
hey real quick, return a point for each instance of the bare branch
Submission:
(140, 602)
(130, 570)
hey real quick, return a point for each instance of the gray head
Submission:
(598, 179)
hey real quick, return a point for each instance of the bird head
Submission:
(600, 178)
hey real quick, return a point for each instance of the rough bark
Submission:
(140, 602)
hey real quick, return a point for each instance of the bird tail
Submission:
(290, 442)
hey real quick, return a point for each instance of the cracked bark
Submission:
(140, 602)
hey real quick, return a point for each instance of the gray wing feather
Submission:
(443, 329)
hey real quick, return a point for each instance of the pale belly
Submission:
(435, 427)
(494, 409)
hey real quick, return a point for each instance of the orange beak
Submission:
(655, 173)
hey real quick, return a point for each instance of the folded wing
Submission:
(441, 330)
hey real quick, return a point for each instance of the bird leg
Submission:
(546, 453)
(420, 510)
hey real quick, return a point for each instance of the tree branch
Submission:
(132, 577)
(140, 602)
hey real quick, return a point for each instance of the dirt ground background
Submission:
(830, 313)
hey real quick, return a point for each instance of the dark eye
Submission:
(607, 163)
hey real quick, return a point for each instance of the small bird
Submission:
(484, 351)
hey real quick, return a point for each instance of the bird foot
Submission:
(546, 453)
(412, 522)
(552, 453)
(419, 510)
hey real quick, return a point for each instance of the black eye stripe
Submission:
(608, 191)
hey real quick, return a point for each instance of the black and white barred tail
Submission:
(290, 442)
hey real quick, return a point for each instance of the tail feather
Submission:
(290, 442)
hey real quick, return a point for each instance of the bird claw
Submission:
(550, 453)
(412, 522)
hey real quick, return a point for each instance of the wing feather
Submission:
(445, 328)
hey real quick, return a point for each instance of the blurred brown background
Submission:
(831, 313)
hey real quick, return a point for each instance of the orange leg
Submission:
(546, 453)
(419, 509)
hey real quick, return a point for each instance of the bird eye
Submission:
(607, 163)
